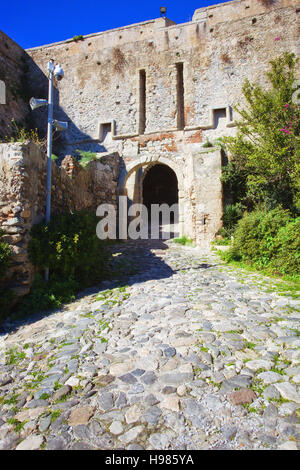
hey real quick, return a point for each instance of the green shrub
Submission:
(6, 296)
(78, 38)
(232, 213)
(264, 153)
(87, 157)
(207, 144)
(184, 241)
(44, 296)
(76, 259)
(221, 241)
(287, 245)
(70, 248)
(5, 255)
(267, 240)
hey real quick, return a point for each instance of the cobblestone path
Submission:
(178, 352)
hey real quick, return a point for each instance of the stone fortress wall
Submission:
(157, 91)
(142, 95)
(13, 86)
(23, 197)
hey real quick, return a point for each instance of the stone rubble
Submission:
(177, 351)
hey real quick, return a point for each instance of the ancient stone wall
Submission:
(23, 196)
(158, 91)
(219, 49)
(14, 96)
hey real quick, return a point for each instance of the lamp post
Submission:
(58, 73)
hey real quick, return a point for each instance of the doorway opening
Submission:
(160, 186)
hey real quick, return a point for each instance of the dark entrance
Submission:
(160, 186)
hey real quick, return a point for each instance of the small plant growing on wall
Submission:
(6, 296)
(87, 157)
(21, 134)
(207, 144)
(78, 38)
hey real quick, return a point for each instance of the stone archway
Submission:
(132, 178)
(159, 186)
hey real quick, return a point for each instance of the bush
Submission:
(267, 240)
(44, 296)
(232, 213)
(6, 296)
(87, 157)
(5, 255)
(287, 243)
(184, 241)
(264, 153)
(76, 259)
(70, 248)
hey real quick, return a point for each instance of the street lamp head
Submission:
(58, 72)
(34, 103)
(50, 66)
(60, 125)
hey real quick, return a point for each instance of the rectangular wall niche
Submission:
(220, 118)
(142, 110)
(180, 96)
(105, 129)
(2, 93)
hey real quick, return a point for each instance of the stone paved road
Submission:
(181, 352)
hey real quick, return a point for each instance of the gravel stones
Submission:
(288, 391)
(105, 401)
(32, 442)
(170, 403)
(62, 392)
(170, 369)
(133, 414)
(152, 415)
(131, 435)
(28, 415)
(241, 397)
(81, 415)
(149, 378)
(128, 378)
(116, 428)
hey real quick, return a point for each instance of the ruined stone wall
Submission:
(12, 75)
(218, 53)
(23, 196)
(157, 91)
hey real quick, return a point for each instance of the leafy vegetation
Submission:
(70, 247)
(19, 133)
(76, 258)
(6, 296)
(184, 241)
(268, 240)
(86, 157)
(78, 38)
(207, 144)
(231, 214)
(264, 166)
(262, 178)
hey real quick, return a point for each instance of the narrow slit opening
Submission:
(142, 113)
(180, 96)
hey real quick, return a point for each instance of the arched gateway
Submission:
(153, 181)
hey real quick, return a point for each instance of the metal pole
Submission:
(49, 151)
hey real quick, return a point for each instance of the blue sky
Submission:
(33, 23)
